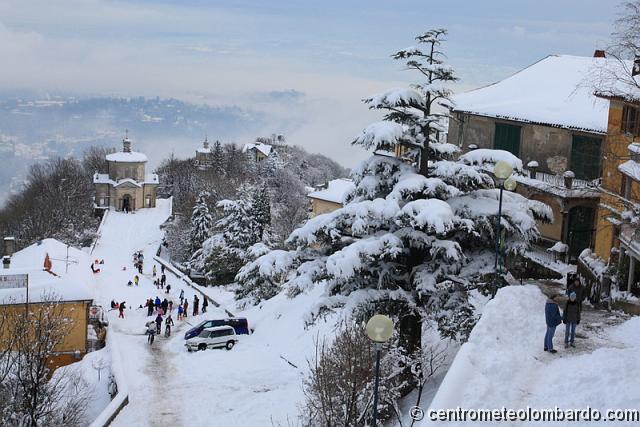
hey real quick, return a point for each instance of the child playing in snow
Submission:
(136, 280)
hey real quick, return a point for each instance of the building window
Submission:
(507, 137)
(625, 191)
(585, 157)
(631, 120)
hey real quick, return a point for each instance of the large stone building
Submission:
(548, 116)
(204, 155)
(126, 186)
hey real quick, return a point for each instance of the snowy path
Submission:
(148, 368)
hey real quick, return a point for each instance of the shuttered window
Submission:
(507, 137)
(631, 120)
(586, 157)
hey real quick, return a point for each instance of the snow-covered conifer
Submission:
(201, 222)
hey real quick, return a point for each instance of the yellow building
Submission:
(330, 197)
(617, 240)
(65, 289)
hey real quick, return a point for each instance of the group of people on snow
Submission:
(138, 261)
(570, 315)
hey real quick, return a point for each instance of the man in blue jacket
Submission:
(553, 319)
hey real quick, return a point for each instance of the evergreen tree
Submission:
(201, 222)
(243, 223)
(412, 242)
(218, 159)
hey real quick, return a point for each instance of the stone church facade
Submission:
(126, 186)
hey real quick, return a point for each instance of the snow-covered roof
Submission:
(335, 192)
(126, 181)
(151, 178)
(203, 150)
(616, 81)
(102, 178)
(263, 148)
(72, 285)
(630, 168)
(127, 156)
(554, 91)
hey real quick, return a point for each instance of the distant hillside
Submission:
(37, 129)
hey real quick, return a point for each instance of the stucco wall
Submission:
(319, 207)
(549, 146)
(77, 312)
(121, 170)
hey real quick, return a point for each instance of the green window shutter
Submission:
(507, 137)
(586, 157)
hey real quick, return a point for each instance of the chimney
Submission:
(599, 53)
(126, 145)
(9, 246)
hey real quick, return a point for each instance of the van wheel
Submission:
(202, 347)
(229, 345)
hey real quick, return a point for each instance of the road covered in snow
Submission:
(503, 365)
(258, 383)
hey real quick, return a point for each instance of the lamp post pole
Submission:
(375, 390)
(379, 330)
(502, 171)
(498, 226)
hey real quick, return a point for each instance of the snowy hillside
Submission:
(503, 365)
(254, 384)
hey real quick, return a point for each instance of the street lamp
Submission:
(379, 330)
(502, 171)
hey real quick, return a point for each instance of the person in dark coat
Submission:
(196, 305)
(553, 319)
(163, 280)
(580, 291)
(571, 318)
(149, 307)
(186, 307)
(121, 308)
(158, 324)
(164, 305)
(205, 304)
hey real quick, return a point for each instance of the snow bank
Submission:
(503, 365)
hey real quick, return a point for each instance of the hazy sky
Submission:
(238, 52)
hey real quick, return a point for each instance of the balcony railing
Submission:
(559, 180)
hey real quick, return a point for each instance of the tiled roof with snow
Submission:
(263, 148)
(335, 192)
(76, 284)
(554, 91)
(127, 156)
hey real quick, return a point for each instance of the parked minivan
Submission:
(239, 324)
(220, 336)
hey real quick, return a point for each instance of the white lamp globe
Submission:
(380, 328)
(510, 184)
(502, 170)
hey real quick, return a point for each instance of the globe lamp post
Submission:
(379, 330)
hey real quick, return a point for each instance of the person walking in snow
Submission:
(553, 319)
(121, 308)
(168, 289)
(205, 304)
(163, 280)
(571, 318)
(180, 309)
(151, 331)
(157, 302)
(149, 306)
(170, 306)
(136, 279)
(181, 296)
(186, 307)
(162, 267)
(159, 323)
(196, 305)
(154, 270)
(168, 323)
(165, 305)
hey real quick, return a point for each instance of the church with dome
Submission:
(126, 186)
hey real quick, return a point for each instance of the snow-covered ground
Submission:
(255, 384)
(503, 365)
